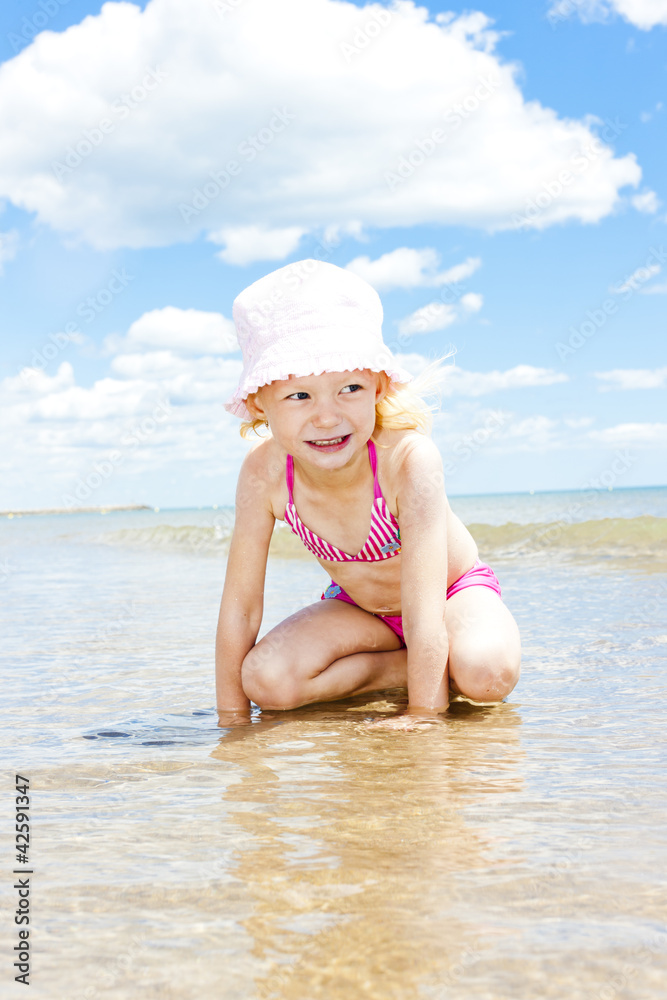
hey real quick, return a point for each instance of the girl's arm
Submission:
(422, 512)
(242, 603)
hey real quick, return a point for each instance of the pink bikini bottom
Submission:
(479, 575)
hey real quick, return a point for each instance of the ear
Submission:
(254, 407)
(382, 387)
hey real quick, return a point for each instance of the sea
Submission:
(509, 852)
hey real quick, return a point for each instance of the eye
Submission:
(298, 395)
(352, 388)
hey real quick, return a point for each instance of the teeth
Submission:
(330, 441)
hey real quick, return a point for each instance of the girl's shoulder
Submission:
(406, 458)
(263, 471)
(405, 451)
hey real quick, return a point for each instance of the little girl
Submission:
(349, 467)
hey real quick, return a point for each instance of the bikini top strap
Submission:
(372, 454)
(289, 476)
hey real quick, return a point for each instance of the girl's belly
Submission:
(376, 586)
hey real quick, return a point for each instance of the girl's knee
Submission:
(485, 672)
(268, 681)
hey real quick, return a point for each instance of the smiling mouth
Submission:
(336, 442)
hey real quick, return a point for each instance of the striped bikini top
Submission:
(384, 537)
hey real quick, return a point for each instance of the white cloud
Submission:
(659, 289)
(530, 433)
(202, 380)
(181, 378)
(138, 376)
(189, 331)
(152, 364)
(35, 382)
(334, 233)
(459, 382)
(460, 272)
(410, 268)
(159, 410)
(629, 434)
(470, 430)
(646, 202)
(472, 301)
(633, 378)
(646, 116)
(261, 119)
(438, 315)
(49, 462)
(9, 244)
(577, 423)
(636, 279)
(105, 398)
(644, 14)
(414, 363)
(246, 244)
(428, 319)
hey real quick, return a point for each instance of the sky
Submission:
(496, 172)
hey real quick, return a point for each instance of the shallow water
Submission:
(516, 851)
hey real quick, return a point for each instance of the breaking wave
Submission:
(614, 537)
(609, 536)
(199, 539)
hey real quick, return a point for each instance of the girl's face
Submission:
(321, 419)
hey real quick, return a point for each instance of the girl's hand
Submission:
(411, 721)
(234, 717)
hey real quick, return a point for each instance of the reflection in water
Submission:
(516, 853)
(354, 836)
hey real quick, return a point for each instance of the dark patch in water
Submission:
(172, 730)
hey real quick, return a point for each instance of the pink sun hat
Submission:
(304, 319)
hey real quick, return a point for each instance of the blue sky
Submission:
(527, 230)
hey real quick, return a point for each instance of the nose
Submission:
(326, 416)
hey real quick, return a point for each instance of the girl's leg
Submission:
(333, 650)
(484, 645)
(326, 651)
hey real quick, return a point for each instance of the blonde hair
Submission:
(405, 406)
